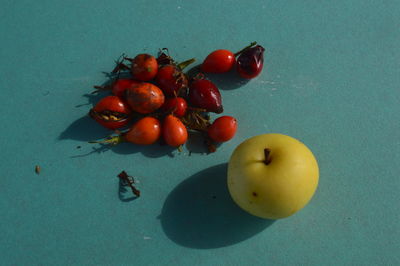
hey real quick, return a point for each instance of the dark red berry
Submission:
(250, 62)
(204, 94)
(171, 80)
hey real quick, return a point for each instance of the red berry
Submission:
(218, 61)
(146, 131)
(118, 87)
(144, 98)
(177, 106)
(174, 131)
(171, 80)
(250, 62)
(204, 94)
(144, 67)
(111, 112)
(223, 129)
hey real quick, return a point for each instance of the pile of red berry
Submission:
(154, 99)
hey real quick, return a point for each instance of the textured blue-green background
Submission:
(331, 79)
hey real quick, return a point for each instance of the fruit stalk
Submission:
(267, 154)
(184, 64)
(113, 140)
(247, 47)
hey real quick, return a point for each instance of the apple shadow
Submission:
(199, 213)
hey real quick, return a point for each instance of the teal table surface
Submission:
(331, 79)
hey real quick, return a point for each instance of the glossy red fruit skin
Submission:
(112, 104)
(146, 131)
(174, 131)
(204, 94)
(223, 129)
(176, 105)
(118, 88)
(144, 67)
(250, 62)
(219, 61)
(171, 80)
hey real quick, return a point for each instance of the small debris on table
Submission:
(129, 181)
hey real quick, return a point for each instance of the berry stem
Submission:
(112, 140)
(184, 64)
(196, 109)
(247, 47)
(267, 154)
(100, 88)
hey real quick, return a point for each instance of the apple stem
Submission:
(267, 153)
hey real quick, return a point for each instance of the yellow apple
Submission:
(272, 175)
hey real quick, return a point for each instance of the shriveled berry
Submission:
(250, 62)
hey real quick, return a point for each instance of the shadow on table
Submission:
(196, 143)
(224, 81)
(124, 192)
(199, 213)
(85, 129)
